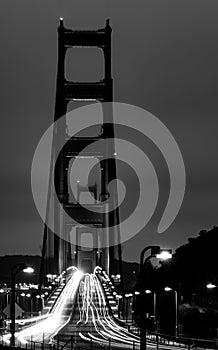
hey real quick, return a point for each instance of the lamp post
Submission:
(211, 287)
(127, 296)
(131, 296)
(163, 254)
(1, 302)
(148, 291)
(119, 304)
(126, 306)
(135, 307)
(168, 289)
(14, 271)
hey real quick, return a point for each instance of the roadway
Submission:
(93, 322)
(48, 325)
(83, 315)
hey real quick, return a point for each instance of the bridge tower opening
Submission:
(60, 252)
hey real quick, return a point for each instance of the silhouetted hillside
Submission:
(194, 264)
(130, 274)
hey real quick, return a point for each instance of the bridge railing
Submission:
(158, 340)
(180, 341)
(183, 342)
(69, 344)
(109, 344)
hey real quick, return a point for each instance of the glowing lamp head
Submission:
(28, 269)
(167, 289)
(211, 286)
(164, 255)
(147, 291)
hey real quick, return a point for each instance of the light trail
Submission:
(56, 320)
(94, 311)
(96, 323)
(104, 329)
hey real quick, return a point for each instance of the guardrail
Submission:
(108, 344)
(69, 344)
(182, 341)
(159, 340)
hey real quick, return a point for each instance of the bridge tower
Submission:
(59, 253)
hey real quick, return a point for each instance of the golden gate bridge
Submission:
(82, 311)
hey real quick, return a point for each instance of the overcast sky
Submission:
(165, 60)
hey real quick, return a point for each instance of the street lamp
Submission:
(164, 254)
(14, 271)
(28, 269)
(135, 306)
(148, 291)
(119, 303)
(168, 289)
(211, 286)
(127, 296)
(156, 252)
